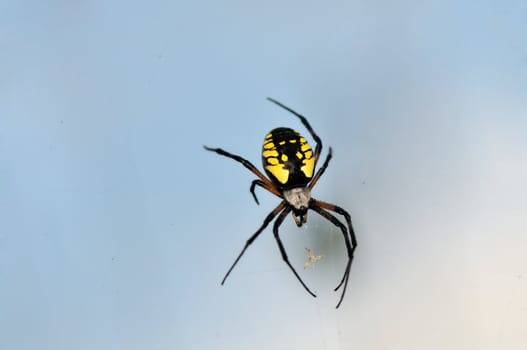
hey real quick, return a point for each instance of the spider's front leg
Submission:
(350, 248)
(277, 224)
(255, 235)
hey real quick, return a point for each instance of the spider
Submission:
(289, 163)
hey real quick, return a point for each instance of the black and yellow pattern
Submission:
(290, 165)
(287, 158)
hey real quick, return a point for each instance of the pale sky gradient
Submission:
(116, 227)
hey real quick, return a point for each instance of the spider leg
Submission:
(261, 184)
(269, 185)
(277, 224)
(320, 170)
(304, 121)
(319, 209)
(347, 216)
(251, 239)
(253, 185)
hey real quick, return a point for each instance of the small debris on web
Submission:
(312, 258)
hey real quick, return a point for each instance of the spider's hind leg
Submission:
(268, 185)
(318, 141)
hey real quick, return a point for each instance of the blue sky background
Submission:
(116, 227)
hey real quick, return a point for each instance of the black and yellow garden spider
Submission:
(289, 163)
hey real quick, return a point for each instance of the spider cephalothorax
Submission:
(298, 198)
(290, 163)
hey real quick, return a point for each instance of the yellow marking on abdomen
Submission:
(305, 146)
(272, 160)
(270, 153)
(279, 172)
(308, 167)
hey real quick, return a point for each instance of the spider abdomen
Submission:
(287, 158)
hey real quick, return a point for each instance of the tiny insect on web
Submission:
(290, 163)
(312, 258)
